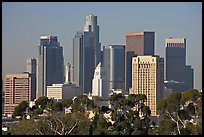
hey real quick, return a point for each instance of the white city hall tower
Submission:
(100, 83)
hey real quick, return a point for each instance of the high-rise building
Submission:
(100, 83)
(50, 64)
(91, 51)
(175, 59)
(67, 73)
(179, 76)
(137, 44)
(18, 88)
(31, 68)
(78, 59)
(114, 59)
(148, 79)
(189, 77)
(31, 65)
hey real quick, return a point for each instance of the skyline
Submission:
(172, 19)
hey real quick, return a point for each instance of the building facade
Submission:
(137, 44)
(63, 91)
(175, 59)
(114, 63)
(50, 64)
(100, 83)
(78, 59)
(148, 79)
(91, 51)
(179, 75)
(31, 65)
(18, 88)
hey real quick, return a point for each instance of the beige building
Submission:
(18, 88)
(63, 91)
(148, 79)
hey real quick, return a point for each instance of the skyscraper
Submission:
(78, 59)
(148, 79)
(114, 59)
(176, 69)
(91, 51)
(18, 88)
(50, 64)
(31, 69)
(189, 77)
(175, 59)
(31, 65)
(100, 83)
(137, 44)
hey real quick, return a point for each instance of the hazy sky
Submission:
(23, 24)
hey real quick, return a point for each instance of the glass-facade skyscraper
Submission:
(91, 51)
(50, 64)
(78, 59)
(114, 64)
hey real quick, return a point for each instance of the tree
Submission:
(179, 108)
(42, 102)
(20, 109)
(67, 102)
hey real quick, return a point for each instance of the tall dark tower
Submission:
(91, 51)
(175, 59)
(50, 64)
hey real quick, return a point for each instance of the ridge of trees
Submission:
(128, 116)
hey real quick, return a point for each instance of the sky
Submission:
(24, 22)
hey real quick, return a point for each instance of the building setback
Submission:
(100, 83)
(50, 64)
(148, 79)
(18, 88)
(137, 44)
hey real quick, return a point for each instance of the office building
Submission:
(179, 75)
(100, 83)
(78, 59)
(50, 64)
(18, 88)
(137, 44)
(175, 59)
(148, 79)
(31, 65)
(63, 91)
(91, 51)
(189, 77)
(114, 63)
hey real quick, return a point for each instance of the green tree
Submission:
(67, 102)
(20, 109)
(42, 102)
(179, 108)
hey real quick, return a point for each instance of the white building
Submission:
(100, 83)
(63, 91)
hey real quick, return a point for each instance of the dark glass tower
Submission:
(50, 64)
(114, 64)
(175, 59)
(91, 51)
